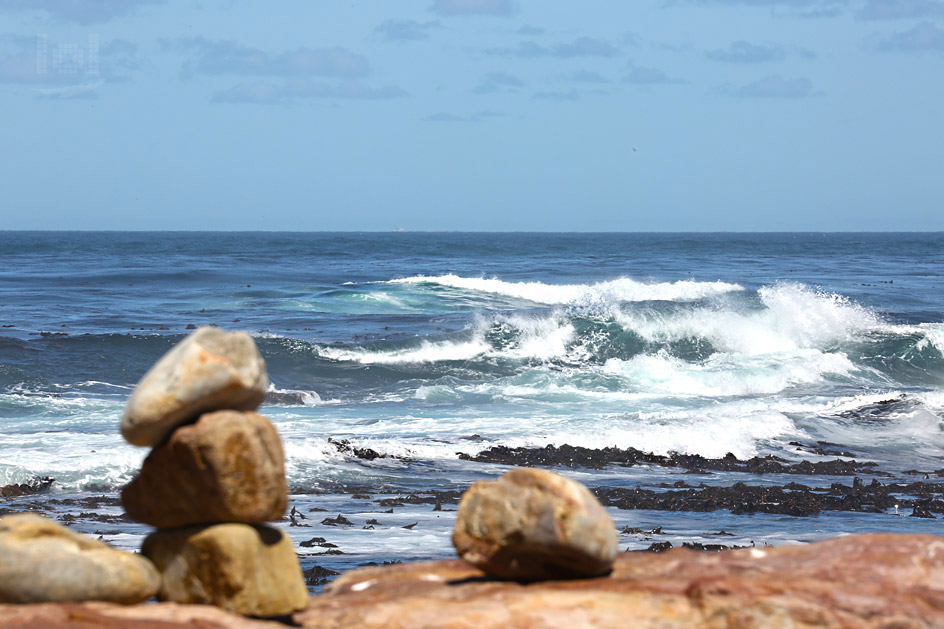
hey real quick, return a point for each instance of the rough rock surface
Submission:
(111, 616)
(209, 370)
(850, 582)
(250, 570)
(43, 561)
(227, 467)
(532, 525)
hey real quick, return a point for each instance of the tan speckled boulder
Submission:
(250, 570)
(227, 467)
(532, 525)
(209, 370)
(41, 561)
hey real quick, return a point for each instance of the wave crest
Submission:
(610, 292)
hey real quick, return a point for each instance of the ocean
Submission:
(707, 383)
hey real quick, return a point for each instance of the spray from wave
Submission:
(613, 291)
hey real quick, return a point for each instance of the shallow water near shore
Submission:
(391, 355)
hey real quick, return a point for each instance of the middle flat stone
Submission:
(226, 467)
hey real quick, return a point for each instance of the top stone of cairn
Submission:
(209, 370)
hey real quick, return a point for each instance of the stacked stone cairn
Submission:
(534, 525)
(214, 477)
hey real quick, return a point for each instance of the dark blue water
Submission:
(412, 343)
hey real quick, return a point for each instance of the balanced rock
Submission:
(227, 467)
(209, 370)
(41, 561)
(532, 525)
(250, 570)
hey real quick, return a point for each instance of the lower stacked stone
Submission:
(210, 489)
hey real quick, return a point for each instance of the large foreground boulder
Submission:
(227, 467)
(209, 370)
(531, 525)
(43, 561)
(866, 581)
(250, 570)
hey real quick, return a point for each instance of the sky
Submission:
(475, 115)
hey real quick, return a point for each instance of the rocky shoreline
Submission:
(324, 526)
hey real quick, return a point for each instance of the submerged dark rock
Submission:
(714, 548)
(314, 541)
(36, 485)
(792, 499)
(317, 575)
(338, 521)
(367, 454)
(590, 458)
(429, 497)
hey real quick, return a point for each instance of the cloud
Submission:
(530, 30)
(801, 4)
(923, 37)
(580, 47)
(818, 13)
(495, 81)
(900, 9)
(80, 11)
(119, 59)
(405, 30)
(266, 93)
(774, 86)
(641, 75)
(261, 92)
(586, 76)
(746, 52)
(793, 8)
(570, 95)
(446, 117)
(478, 116)
(227, 57)
(501, 8)
(82, 91)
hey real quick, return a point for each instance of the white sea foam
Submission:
(292, 397)
(539, 338)
(436, 393)
(427, 352)
(933, 400)
(794, 317)
(856, 402)
(709, 433)
(934, 333)
(613, 291)
(81, 459)
(725, 375)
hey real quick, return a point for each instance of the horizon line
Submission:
(457, 231)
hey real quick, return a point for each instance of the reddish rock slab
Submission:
(111, 616)
(871, 581)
